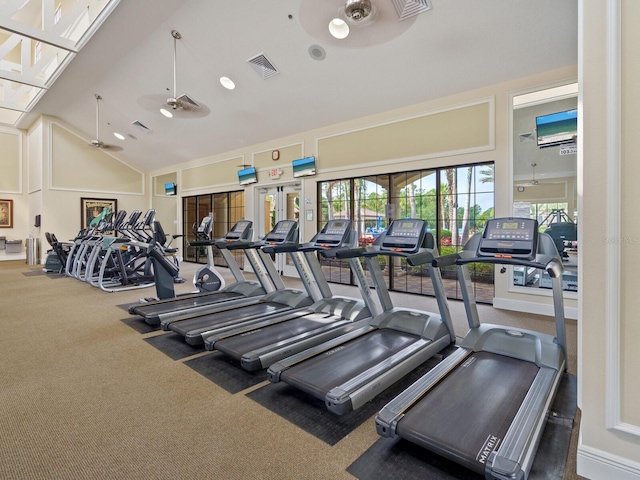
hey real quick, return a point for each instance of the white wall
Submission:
(608, 175)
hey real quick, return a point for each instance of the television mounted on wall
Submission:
(304, 166)
(247, 176)
(557, 128)
(170, 189)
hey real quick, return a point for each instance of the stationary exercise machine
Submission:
(258, 345)
(352, 369)
(485, 405)
(241, 292)
(195, 329)
(206, 278)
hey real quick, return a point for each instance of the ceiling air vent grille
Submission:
(265, 67)
(410, 8)
(141, 126)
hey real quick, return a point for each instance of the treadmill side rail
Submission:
(515, 455)
(362, 388)
(276, 369)
(392, 412)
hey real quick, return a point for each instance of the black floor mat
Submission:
(34, 273)
(310, 414)
(173, 346)
(397, 458)
(125, 306)
(226, 372)
(139, 325)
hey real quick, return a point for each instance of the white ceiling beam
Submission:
(37, 34)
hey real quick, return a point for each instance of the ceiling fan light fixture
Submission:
(338, 28)
(227, 83)
(119, 136)
(166, 113)
(357, 10)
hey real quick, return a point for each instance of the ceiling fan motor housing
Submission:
(357, 9)
(174, 102)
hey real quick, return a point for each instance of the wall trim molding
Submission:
(596, 464)
(614, 222)
(50, 186)
(491, 123)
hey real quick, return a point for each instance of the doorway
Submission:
(281, 202)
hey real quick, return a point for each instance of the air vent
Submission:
(410, 8)
(141, 126)
(265, 67)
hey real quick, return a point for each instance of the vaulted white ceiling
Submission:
(455, 46)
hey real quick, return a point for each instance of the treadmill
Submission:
(259, 345)
(352, 369)
(242, 291)
(196, 328)
(485, 405)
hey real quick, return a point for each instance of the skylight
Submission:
(34, 56)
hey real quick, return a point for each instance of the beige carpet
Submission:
(83, 396)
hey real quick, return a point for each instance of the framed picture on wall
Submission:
(6, 213)
(94, 210)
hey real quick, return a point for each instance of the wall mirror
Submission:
(544, 177)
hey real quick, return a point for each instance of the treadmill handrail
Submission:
(351, 252)
(284, 248)
(421, 258)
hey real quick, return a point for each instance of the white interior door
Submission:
(277, 203)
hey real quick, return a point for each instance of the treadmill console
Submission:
(335, 232)
(239, 231)
(404, 235)
(284, 231)
(510, 238)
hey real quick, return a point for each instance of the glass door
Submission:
(279, 203)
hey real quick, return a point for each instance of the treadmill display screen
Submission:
(512, 237)
(239, 230)
(334, 232)
(281, 232)
(404, 236)
(405, 228)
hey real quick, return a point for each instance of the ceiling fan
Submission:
(331, 21)
(183, 101)
(534, 182)
(182, 106)
(96, 142)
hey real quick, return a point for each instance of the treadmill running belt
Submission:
(319, 374)
(466, 416)
(184, 304)
(206, 322)
(237, 345)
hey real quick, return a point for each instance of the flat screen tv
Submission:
(557, 128)
(304, 166)
(170, 189)
(247, 176)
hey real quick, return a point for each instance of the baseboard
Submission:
(531, 307)
(596, 464)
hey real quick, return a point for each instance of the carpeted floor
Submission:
(87, 394)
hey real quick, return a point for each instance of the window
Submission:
(227, 209)
(455, 202)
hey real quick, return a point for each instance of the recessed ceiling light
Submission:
(118, 135)
(227, 83)
(338, 28)
(166, 113)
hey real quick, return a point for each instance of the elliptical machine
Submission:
(206, 278)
